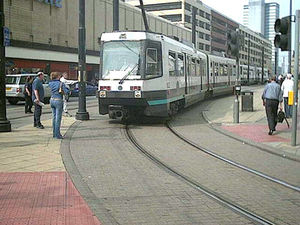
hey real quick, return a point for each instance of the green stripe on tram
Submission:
(165, 101)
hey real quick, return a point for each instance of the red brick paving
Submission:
(257, 132)
(42, 198)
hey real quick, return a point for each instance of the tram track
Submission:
(46, 112)
(231, 162)
(217, 197)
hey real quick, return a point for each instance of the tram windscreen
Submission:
(121, 59)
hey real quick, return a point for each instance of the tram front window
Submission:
(121, 59)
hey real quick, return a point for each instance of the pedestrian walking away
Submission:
(27, 94)
(67, 83)
(272, 96)
(286, 87)
(38, 99)
(58, 89)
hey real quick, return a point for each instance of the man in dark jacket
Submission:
(272, 96)
(38, 99)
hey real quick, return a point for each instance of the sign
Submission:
(56, 3)
(6, 36)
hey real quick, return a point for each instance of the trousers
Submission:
(271, 111)
(57, 108)
(37, 115)
(288, 109)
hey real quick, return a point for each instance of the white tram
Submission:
(144, 73)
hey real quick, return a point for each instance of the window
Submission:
(207, 48)
(193, 68)
(187, 19)
(173, 18)
(207, 37)
(152, 67)
(201, 46)
(187, 6)
(180, 65)
(172, 64)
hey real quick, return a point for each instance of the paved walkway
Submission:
(34, 186)
(36, 189)
(253, 127)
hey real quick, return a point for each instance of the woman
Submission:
(56, 102)
(27, 94)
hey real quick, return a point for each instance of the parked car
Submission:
(15, 87)
(91, 89)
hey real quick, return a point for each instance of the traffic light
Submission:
(233, 43)
(282, 40)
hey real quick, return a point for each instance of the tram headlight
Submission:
(102, 94)
(137, 94)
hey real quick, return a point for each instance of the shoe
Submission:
(34, 125)
(59, 137)
(66, 114)
(40, 126)
(270, 132)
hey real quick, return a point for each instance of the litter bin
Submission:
(247, 101)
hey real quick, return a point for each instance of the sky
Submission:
(234, 10)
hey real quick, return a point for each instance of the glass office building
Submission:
(260, 17)
(272, 13)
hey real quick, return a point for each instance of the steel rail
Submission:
(235, 207)
(275, 180)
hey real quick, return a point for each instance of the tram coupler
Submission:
(117, 112)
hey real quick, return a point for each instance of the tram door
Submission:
(187, 74)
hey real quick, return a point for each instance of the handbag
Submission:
(60, 90)
(280, 116)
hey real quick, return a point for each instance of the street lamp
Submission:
(5, 125)
(82, 114)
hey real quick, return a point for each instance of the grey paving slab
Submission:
(131, 188)
(265, 198)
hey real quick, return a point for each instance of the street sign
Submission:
(6, 36)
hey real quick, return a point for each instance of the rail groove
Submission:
(275, 180)
(221, 200)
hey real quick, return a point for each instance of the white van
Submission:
(15, 87)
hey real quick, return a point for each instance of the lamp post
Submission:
(262, 62)
(5, 125)
(82, 114)
(248, 72)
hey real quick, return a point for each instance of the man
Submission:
(272, 96)
(286, 87)
(64, 80)
(38, 99)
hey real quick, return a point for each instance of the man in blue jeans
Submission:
(38, 99)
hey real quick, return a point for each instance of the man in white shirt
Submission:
(287, 85)
(64, 80)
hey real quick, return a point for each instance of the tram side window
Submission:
(153, 63)
(198, 68)
(216, 69)
(203, 67)
(180, 65)
(221, 68)
(172, 64)
(233, 70)
(193, 68)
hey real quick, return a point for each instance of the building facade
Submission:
(259, 13)
(272, 14)
(221, 26)
(256, 49)
(256, 16)
(181, 12)
(44, 36)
